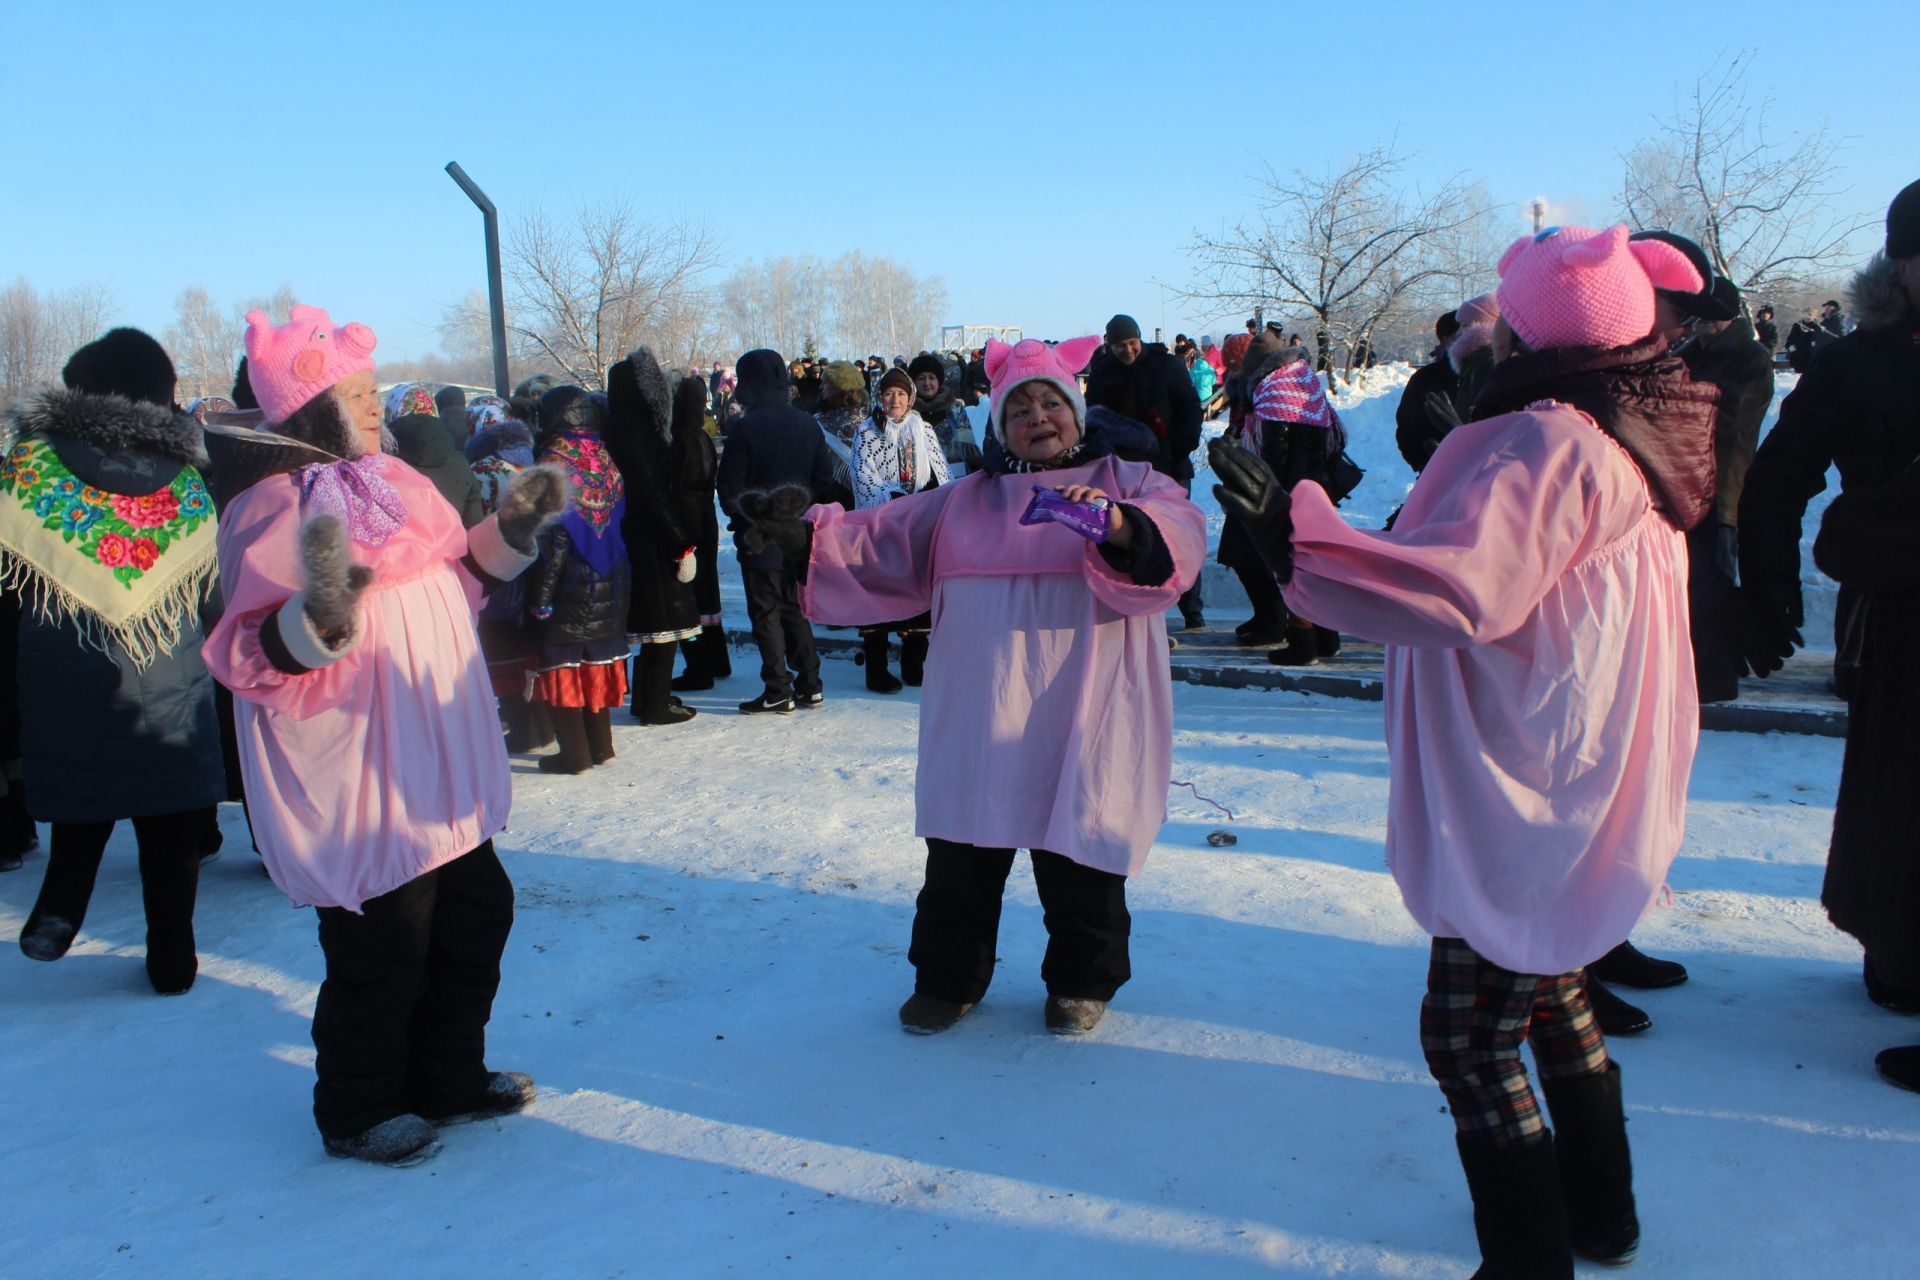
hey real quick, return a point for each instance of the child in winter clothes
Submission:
(368, 734)
(577, 595)
(1541, 717)
(895, 453)
(1047, 719)
(107, 545)
(499, 447)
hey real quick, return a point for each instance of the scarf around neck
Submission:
(358, 492)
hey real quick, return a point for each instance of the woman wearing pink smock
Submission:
(1046, 720)
(1540, 713)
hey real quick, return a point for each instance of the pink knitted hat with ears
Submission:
(291, 364)
(1575, 287)
(1031, 359)
(1667, 267)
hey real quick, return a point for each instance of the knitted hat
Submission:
(1120, 328)
(1682, 274)
(1903, 223)
(1484, 309)
(845, 384)
(1033, 360)
(927, 362)
(290, 364)
(1292, 393)
(1575, 287)
(897, 378)
(123, 362)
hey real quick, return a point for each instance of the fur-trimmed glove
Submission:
(534, 498)
(686, 567)
(1249, 489)
(331, 582)
(774, 519)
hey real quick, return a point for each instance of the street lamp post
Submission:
(496, 304)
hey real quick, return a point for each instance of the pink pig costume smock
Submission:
(375, 769)
(1047, 714)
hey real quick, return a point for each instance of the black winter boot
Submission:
(713, 642)
(570, 730)
(169, 882)
(654, 702)
(873, 649)
(1326, 641)
(60, 910)
(1615, 1016)
(1261, 631)
(696, 678)
(1628, 966)
(1518, 1213)
(1596, 1170)
(599, 726)
(913, 658)
(1302, 649)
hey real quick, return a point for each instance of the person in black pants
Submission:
(773, 444)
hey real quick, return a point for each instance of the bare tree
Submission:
(855, 304)
(1759, 204)
(1349, 247)
(39, 331)
(584, 294)
(205, 344)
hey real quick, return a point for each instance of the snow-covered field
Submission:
(710, 948)
(709, 952)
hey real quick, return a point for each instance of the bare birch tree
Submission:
(1760, 204)
(1350, 247)
(585, 293)
(853, 306)
(39, 331)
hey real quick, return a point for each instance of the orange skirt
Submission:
(591, 686)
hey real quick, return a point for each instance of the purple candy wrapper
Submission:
(1088, 519)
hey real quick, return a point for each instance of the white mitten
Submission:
(688, 565)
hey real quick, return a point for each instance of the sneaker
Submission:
(808, 701)
(767, 704)
(1074, 1015)
(505, 1093)
(1901, 1066)
(1627, 966)
(924, 1015)
(399, 1142)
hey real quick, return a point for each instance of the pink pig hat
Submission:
(291, 364)
(1575, 287)
(1031, 360)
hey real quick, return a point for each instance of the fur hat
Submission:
(1575, 287)
(1033, 360)
(1446, 325)
(451, 402)
(927, 362)
(1121, 328)
(762, 378)
(290, 364)
(640, 404)
(1903, 223)
(123, 362)
(843, 385)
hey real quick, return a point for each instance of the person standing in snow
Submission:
(1414, 428)
(695, 461)
(1541, 717)
(771, 445)
(1046, 722)
(107, 551)
(896, 453)
(371, 745)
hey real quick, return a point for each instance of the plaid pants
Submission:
(1473, 1021)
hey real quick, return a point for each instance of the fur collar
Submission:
(1879, 300)
(1471, 339)
(638, 399)
(112, 424)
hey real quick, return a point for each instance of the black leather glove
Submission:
(774, 519)
(1251, 491)
(1442, 412)
(1759, 632)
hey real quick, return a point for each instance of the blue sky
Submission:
(1051, 161)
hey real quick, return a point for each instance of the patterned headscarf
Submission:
(485, 411)
(592, 521)
(404, 398)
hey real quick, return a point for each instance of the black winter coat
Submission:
(1414, 429)
(1870, 541)
(1734, 361)
(587, 607)
(424, 445)
(1155, 389)
(697, 510)
(103, 738)
(772, 444)
(1858, 409)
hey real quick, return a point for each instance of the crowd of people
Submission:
(345, 606)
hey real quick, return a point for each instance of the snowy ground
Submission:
(703, 978)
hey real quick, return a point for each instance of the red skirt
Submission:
(591, 686)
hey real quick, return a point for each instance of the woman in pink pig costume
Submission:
(1540, 713)
(369, 740)
(1046, 721)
